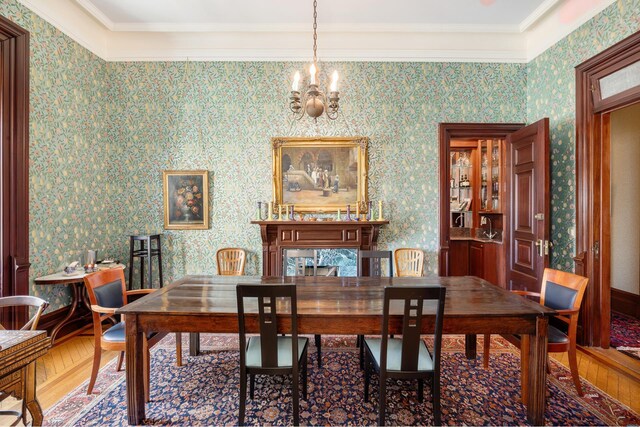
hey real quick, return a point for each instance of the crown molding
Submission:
(550, 30)
(73, 22)
(84, 23)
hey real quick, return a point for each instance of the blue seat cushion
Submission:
(556, 336)
(254, 351)
(394, 354)
(114, 333)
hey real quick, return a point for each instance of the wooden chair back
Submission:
(26, 301)
(269, 299)
(563, 291)
(231, 261)
(409, 262)
(375, 262)
(300, 258)
(106, 289)
(412, 299)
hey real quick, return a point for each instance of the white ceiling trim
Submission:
(537, 15)
(81, 21)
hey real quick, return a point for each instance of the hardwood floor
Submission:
(68, 365)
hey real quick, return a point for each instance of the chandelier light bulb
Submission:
(312, 73)
(296, 81)
(334, 81)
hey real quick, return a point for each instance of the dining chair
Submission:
(407, 357)
(301, 259)
(563, 292)
(375, 260)
(231, 261)
(11, 387)
(107, 292)
(269, 353)
(409, 262)
(28, 302)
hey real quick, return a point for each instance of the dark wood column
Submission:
(14, 167)
(279, 235)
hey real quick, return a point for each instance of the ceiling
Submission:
(348, 30)
(166, 15)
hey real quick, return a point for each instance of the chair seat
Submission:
(116, 333)
(556, 336)
(394, 354)
(254, 353)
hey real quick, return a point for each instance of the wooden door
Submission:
(528, 222)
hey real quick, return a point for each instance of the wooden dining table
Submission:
(344, 306)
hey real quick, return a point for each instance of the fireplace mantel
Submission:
(279, 235)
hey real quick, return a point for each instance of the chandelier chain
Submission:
(315, 28)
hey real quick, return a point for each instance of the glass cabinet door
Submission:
(490, 167)
(461, 188)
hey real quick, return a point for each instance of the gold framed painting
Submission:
(321, 174)
(186, 199)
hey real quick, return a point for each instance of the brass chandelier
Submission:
(314, 102)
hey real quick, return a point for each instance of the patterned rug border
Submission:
(602, 405)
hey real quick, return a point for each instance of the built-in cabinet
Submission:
(474, 203)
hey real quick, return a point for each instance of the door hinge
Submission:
(539, 216)
(596, 249)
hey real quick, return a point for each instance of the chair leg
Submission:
(178, 349)
(420, 390)
(97, 354)
(573, 365)
(487, 350)
(296, 397)
(243, 396)
(252, 386)
(304, 378)
(383, 401)
(120, 361)
(435, 392)
(318, 340)
(361, 341)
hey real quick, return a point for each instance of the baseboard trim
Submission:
(625, 302)
(612, 358)
(77, 323)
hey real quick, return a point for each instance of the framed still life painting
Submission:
(186, 199)
(320, 174)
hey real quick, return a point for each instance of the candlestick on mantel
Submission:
(259, 216)
(339, 216)
(292, 216)
(348, 217)
(279, 212)
(380, 217)
(358, 211)
(270, 212)
(370, 211)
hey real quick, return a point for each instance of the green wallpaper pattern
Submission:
(101, 133)
(67, 134)
(551, 93)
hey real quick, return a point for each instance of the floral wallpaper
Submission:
(102, 133)
(221, 116)
(68, 131)
(551, 93)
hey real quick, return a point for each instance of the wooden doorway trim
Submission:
(447, 132)
(592, 179)
(14, 169)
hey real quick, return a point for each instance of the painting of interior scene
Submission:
(319, 175)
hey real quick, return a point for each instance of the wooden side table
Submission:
(79, 299)
(19, 351)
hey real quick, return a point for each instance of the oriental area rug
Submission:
(204, 391)
(625, 334)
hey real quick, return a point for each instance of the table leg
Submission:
(194, 343)
(470, 346)
(75, 300)
(29, 395)
(135, 353)
(537, 372)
